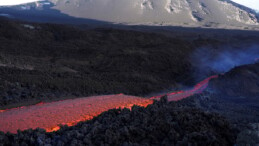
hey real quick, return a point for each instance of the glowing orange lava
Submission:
(178, 95)
(70, 112)
(49, 115)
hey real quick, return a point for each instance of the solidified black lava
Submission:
(240, 82)
(53, 62)
(161, 123)
(234, 95)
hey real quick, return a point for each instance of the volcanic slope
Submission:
(209, 13)
(235, 96)
(45, 62)
(240, 82)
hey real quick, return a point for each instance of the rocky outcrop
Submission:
(249, 136)
(240, 82)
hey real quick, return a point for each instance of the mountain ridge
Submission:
(164, 12)
(195, 13)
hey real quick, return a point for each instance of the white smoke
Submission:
(217, 61)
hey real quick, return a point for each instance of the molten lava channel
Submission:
(69, 112)
(49, 115)
(179, 95)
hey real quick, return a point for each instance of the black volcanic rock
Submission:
(53, 62)
(235, 96)
(249, 136)
(242, 81)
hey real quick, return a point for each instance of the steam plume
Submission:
(220, 61)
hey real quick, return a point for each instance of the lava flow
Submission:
(178, 95)
(69, 112)
(49, 115)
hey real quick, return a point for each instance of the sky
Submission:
(254, 4)
(15, 2)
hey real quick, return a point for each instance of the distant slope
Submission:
(162, 12)
(192, 13)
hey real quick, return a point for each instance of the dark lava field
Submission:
(41, 62)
